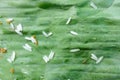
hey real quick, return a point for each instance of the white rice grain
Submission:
(51, 55)
(19, 29)
(27, 47)
(68, 21)
(47, 34)
(99, 60)
(73, 33)
(94, 57)
(45, 58)
(92, 4)
(28, 38)
(74, 50)
(12, 57)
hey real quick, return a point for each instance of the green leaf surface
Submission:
(98, 33)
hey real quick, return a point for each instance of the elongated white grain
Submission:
(92, 4)
(45, 58)
(19, 32)
(51, 55)
(19, 27)
(28, 38)
(94, 57)
(32, 39)
(27, 47)
(99, 60)
(68, 21)
(74, 50)
(73, 33)
(47, 34)
(12, 57)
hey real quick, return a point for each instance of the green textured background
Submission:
(98, 33)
